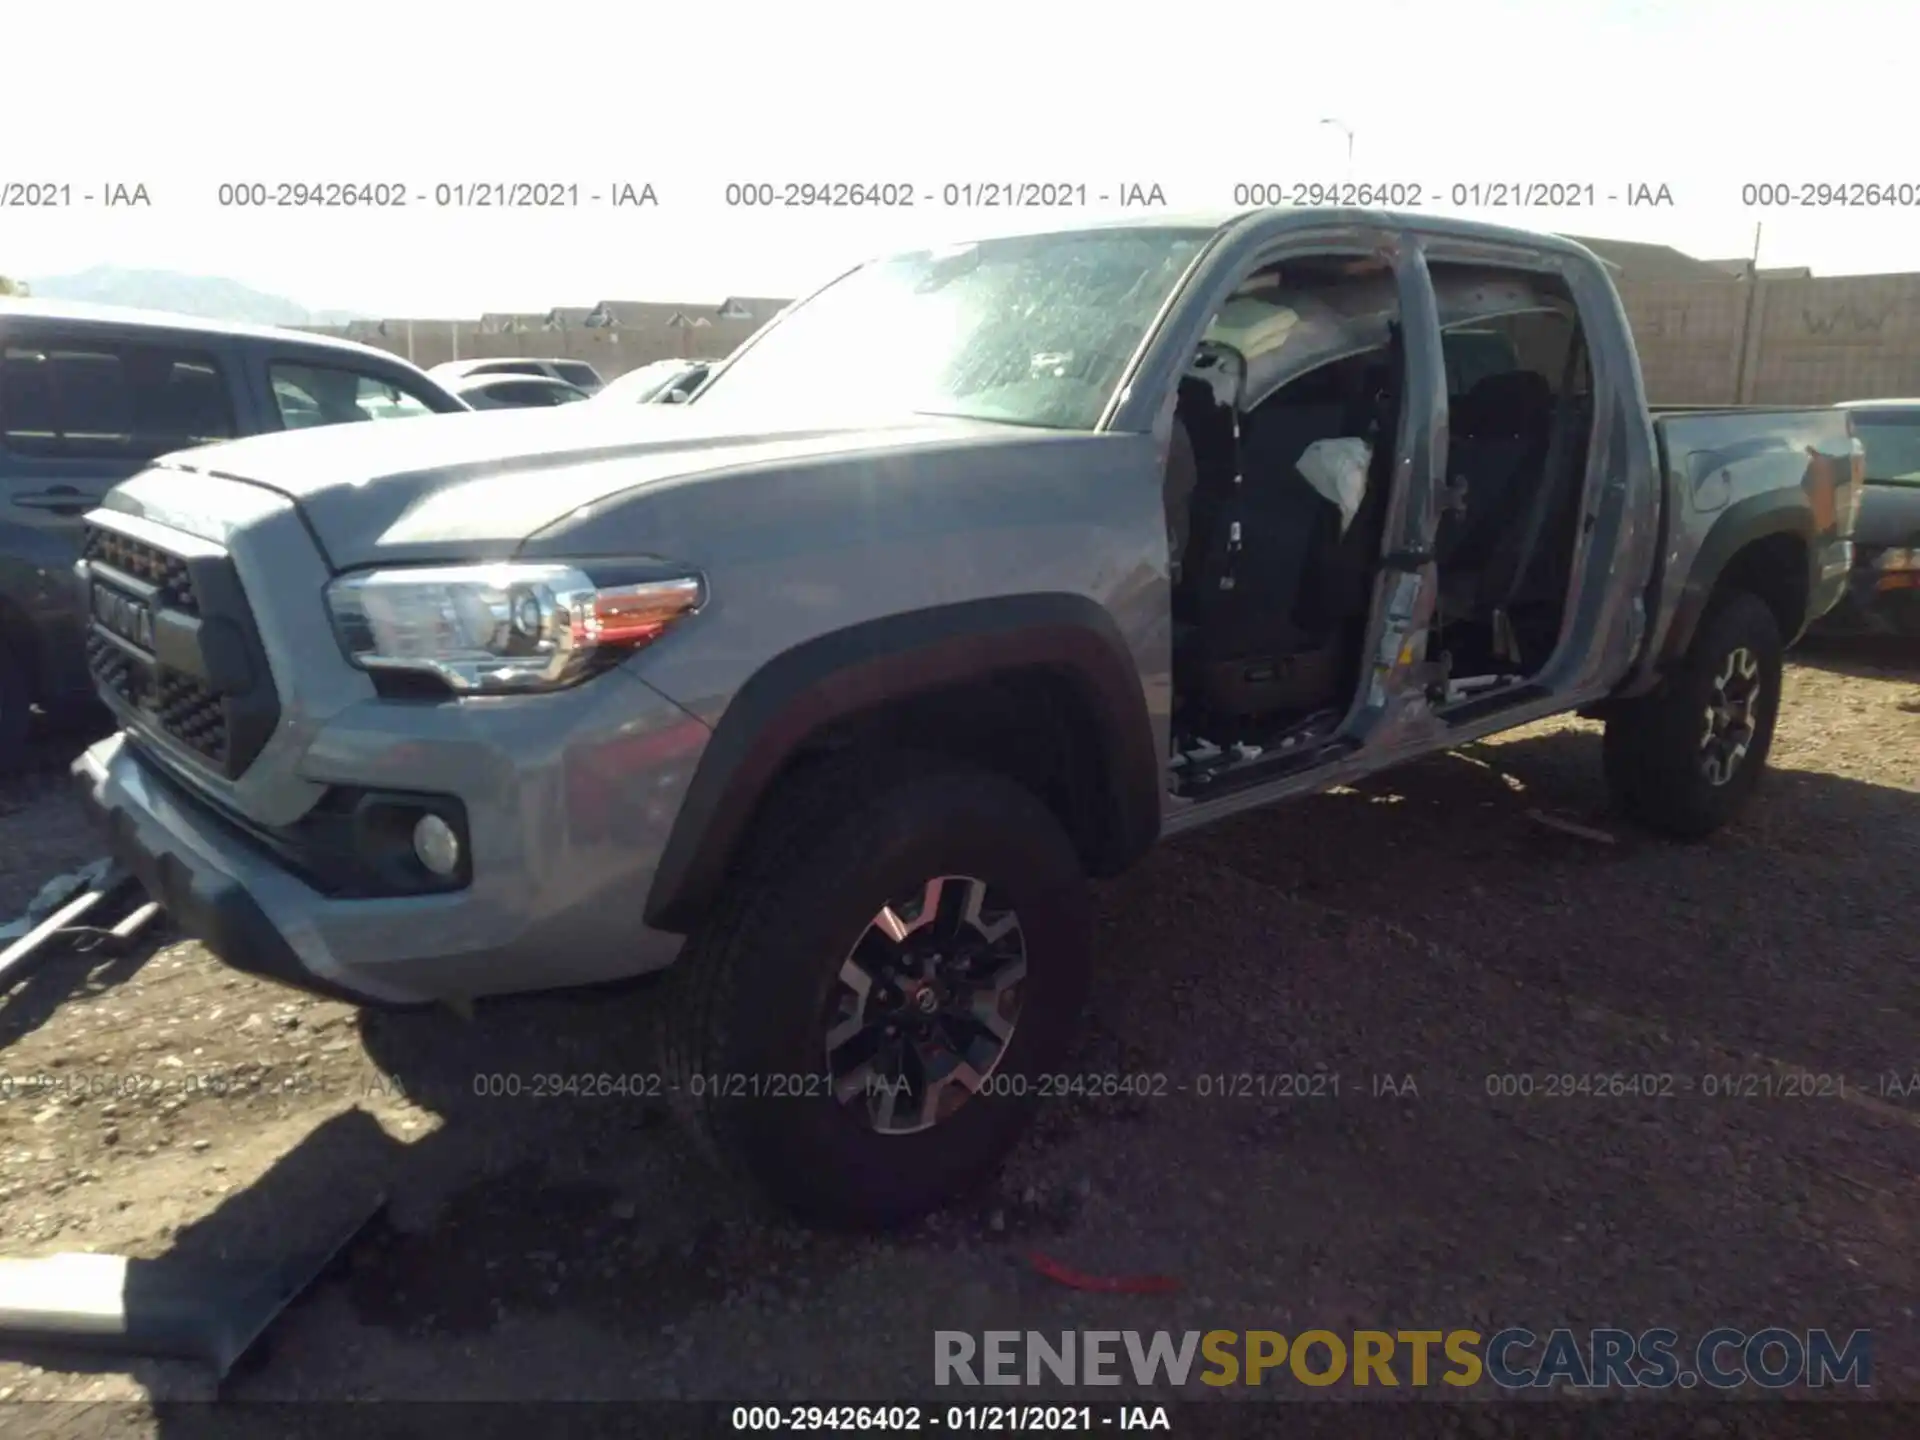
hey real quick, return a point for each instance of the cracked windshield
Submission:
(1032, 331)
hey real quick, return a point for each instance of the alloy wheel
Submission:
(1733, 706)
(925, 1005)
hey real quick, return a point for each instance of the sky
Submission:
(1703, 98)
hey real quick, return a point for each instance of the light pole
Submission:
(1346, 130)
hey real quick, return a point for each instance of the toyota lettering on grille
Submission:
(124, 616)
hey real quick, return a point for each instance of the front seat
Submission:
(1183, 478)
(1338, 594)
(1250, 549)
(1203, 431)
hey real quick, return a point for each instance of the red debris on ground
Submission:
(1107, 1284)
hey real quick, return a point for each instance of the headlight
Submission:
(501, 629)
(1898, 560)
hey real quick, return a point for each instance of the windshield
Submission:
(1891, 439)
(1033, 330)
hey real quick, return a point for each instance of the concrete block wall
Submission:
(1787, 340)
(1689, 336)
(1849, 338)
(612, 352)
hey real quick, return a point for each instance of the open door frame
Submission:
(1392, 707)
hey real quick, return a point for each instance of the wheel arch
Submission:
(1763, 545)
(1043, 687)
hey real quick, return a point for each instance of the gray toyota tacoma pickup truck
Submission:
(966, 580)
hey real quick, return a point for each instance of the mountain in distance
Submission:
(208, 297)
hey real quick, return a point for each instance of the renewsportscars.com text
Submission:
(1511, 1359)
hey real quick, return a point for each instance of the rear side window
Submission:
(1891, 439)
(576, 373)
(526, 394)
(309, 395)
(110, 401)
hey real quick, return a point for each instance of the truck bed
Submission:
(1789, 475)
(1719, 456)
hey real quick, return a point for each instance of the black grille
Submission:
(114, 670)
(196, 673)
(192, 714)
(167, 573)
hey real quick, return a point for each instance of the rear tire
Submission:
(1685, 760)
(830, 879)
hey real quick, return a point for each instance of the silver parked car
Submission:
(1883, 594)
(577, 373)
(515, 392)
(655, 381)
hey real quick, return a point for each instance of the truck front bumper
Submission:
(194, 872)
(563, 848)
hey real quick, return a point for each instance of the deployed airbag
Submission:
(1337, 469)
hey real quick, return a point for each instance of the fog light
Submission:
(436, 845)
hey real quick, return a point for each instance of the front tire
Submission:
(861, 1025)
(1684, 760)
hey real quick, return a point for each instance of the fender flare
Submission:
(1759, 517)
(838, 676)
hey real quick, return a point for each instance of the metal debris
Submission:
(55, 893)
(1570, 827)
(162, 1308)
(71, 898)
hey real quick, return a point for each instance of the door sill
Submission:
(1464, 712)
(1263, 769)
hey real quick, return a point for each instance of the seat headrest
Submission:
(1511, 402)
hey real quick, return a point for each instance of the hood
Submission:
(1889, 515)
(478, 485)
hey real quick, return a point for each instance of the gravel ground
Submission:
(1427, 927)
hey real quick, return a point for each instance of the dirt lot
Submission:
(1427, 928)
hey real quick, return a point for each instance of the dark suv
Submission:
(1883, 590)
(90, 395)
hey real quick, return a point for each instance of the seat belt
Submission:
(1235, 506)
(1506, 644)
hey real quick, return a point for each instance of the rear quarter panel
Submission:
(1736, 477)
